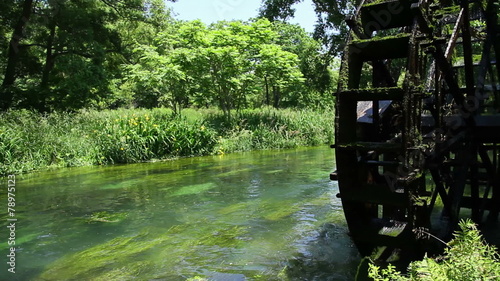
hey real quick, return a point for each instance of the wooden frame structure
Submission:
(429, 141)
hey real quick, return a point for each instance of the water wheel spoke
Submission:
(441, 190)
(377, 194)
(474, 188)
(494, 180)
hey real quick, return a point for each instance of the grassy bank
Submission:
(32, 141)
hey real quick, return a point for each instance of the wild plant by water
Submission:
(270, 128)
(467, 258)
(132, 137)
(32, 141)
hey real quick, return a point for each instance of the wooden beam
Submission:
(494, 179)
(467, 47)
(436, 177)
(474, 186)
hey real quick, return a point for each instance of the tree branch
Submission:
(85, 55)
(31, 45)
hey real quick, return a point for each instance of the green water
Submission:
(269, 215)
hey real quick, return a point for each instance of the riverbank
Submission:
(31, 141)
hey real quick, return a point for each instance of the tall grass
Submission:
(32, 141)
(272, 129)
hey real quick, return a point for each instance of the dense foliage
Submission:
(468, 257)
(330, 28)
(67, 55)
(33, 141)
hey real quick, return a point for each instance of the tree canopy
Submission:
(330, 26)
(68, 55)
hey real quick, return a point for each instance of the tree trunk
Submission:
(268, 102)
(49, 56)
(277, 96)
(6, 93)
(224, 105)
(47, 68)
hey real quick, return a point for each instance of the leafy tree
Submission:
(330, 27)
(60, 51)
(62, 54)
(18, 21)
(136, 37)
(240, 53)
(188, 50)
(228, 65)
(163, 69)
(314, 64)
(277, 67)
(221, 65)
(159, 80)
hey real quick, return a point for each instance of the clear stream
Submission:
(267, 215)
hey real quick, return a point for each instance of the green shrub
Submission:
(271, 128)
(134, 138)
(468, 257)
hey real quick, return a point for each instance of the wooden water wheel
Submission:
(418, 122)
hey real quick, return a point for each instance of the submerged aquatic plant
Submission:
(122, 258)
(101, 262)
(105, 217)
